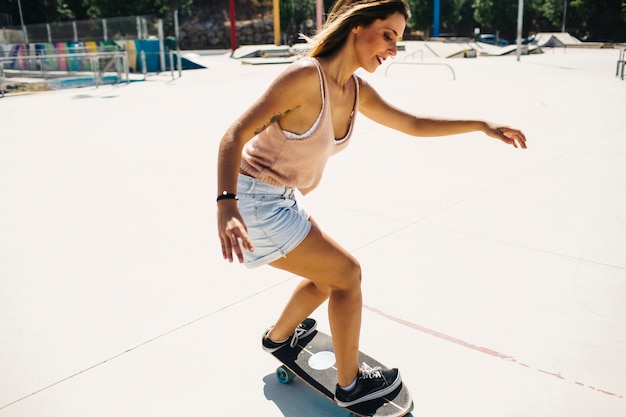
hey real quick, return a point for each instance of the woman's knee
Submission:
(348, 275)
(322, 290)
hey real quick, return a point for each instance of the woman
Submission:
(281, 143)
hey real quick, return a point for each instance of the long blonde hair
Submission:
(348, 14)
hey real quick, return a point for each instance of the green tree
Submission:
(497, 15)
(115, 8)
(534, 18)
(295, 12)
(39, 11)
(422, 12)
(599, 18)
(42, 11)
(552, 10)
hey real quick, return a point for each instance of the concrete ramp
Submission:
(269, 54)
(199, 59)
(261, 51)
(556, 39)
(270, 61)
(448, 49)
(431, 49)
(188, 62)
(492, 50)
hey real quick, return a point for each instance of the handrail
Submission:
(1, 80)
(622, 62)
(420, 63)
(412, 54)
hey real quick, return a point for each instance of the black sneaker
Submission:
(372, 383)
(304, 329)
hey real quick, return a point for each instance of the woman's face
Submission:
(377, 42)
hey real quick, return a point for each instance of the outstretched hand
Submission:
(507, 135)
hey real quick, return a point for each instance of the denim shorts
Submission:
(275, 222)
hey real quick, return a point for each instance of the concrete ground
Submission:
(494, 278)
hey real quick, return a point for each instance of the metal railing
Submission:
(420, 63)
(39, 66)
(1, 81)
(619, 72)
(411, 56)
(174, 65)
(117, 28)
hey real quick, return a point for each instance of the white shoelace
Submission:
(367, 372)
(296, 336)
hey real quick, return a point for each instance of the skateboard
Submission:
(313, 361)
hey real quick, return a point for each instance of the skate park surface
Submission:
(494, 278)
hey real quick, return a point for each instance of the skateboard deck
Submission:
(313, 361)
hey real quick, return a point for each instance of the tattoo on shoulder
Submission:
(272, 120)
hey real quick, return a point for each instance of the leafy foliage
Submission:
(600, 18)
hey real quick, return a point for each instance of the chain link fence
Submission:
(62, 48)
(5, 20)
(98, 30)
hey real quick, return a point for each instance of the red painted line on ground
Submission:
(480, 349)
(551, 373)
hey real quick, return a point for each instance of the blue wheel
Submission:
(284, 375)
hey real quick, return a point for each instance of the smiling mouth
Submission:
(380, 59)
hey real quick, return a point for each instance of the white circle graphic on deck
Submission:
(322, 360)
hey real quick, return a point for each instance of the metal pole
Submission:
(176, 27)
(177, 34)
(118, 69)
(319, 12)
(161, 45)
(233, 26)
(19, 5)
(1, 79)
(172, 63)
(144, 67)
(277, 22)
(42, 65)
(436, 18)
(144, 28)
(125, 65)
(564, 15)
(96, 70)
(520, 22)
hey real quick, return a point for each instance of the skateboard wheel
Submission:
(284, 375)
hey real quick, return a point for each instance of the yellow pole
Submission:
(277, 22)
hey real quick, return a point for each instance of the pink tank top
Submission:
(279, 157)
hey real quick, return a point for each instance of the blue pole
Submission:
(436, 18)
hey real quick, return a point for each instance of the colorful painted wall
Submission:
(24, 55)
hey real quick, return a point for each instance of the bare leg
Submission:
(330, 272)
(307, 297)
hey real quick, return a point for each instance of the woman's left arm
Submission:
(374, 107)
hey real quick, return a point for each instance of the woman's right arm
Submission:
(230, 224)
(284, 95)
